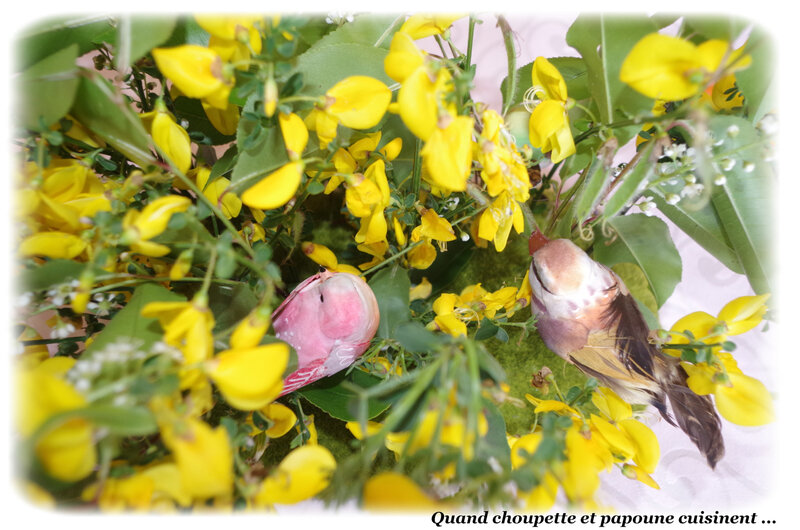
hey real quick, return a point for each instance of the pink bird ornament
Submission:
(329, 320)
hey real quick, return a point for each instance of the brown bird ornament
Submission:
(587, 316)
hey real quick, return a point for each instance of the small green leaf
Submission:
(414, 337)
(325, 66)
(644, 241)
(336, 395)
(47, 89)
(391, 287)
(364, 29)
(53, 34)
(264, 156)
(487, 330)
(129, 324)
(137, 35)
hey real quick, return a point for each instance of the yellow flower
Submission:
(421, 101)
(56, 245)
(433, 226)
(496, 221)
(233, 37)
(249, 332)
(228, 203)
(323, 124)
(725, 94)
(394, 491)
(197, 72)
(543, 496)
(358, 102)
(249, 378)
(140, 227)
(278, 188)
(170, 138)
(424, 254)
(549, 124)
(447, 319)
(303, 473)
(203, 456)
(66, 451)
(670, 68)
(421, 291)
(447, 154)
(421, 26)
(282, 418)
(187, 326)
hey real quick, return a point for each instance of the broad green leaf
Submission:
(263, 156)
(636, 282)
(633, 182)
(137, 35)
(225, 163)
(129, 324)
(758, 82)
(325, 66)
(645, 242)
(364, 29)
(743, 203)
(391, 287)
(104, 111)
(336, 396)
(604, 42)
(47, 89)
(702, 225)
(54, 34)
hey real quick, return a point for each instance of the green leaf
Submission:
(743, 203)
(715, 27)
(364, 29)
(47, 89)
(604, 42)
(325, 66)
(103, 110)
(336, 395)
(391, 287)
(591, 187)
(632, 183)
(137, 35)
(129, 324)
(758, 82)
(703, 225)
(645, 242)
(414, 337)
(230, 304)
(52, 273)
(225, 163)
(54, 34)
(120, 420)
(636, 282)
(487, 330)
(264, 156)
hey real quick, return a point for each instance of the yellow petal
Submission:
(662, 67)
(394, 491)
(67, 452)
(249, 332)
(282, 417)
(355, 428)
(392, 149)
(611, 404)
(249, 378)
(435, 226)
(358, 101)
(447, 154)
(295, 134)
(276, 189)
(56, 245)
(618, 442)
(549, 130)
(746, 402)
(373, 228)
(420, 291)
(403, 58)
(224, 120)
(195, 70)
(303, 473)
(524, 448)
(417, 101)
(548, 80)
(154, 218)
(646, 449)
(701, 378)
(172, 140)
(542, 497)
(320, 254)
(637, 473)
(421, 26)
(744, 313)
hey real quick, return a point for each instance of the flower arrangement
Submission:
(185, 186)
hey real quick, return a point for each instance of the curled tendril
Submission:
(585, 233)
(608, 231)
(530, 99)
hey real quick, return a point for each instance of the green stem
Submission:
(417, 172)
(470, 38)
(511, 55)
(391, 259)
(395, 23)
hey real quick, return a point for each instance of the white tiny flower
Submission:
(690, 179)
(768, 124)
(672, 198)
(732, 131)
(727, 164)
(719, 180)
(748, 167)
(464, 236)
(690, 152)
(82, 385)
(24, 299)
(692, 190)
(120, 400)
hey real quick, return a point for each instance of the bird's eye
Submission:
(322, 269)
(321, 298)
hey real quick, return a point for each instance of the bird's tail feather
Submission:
(697, 417)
